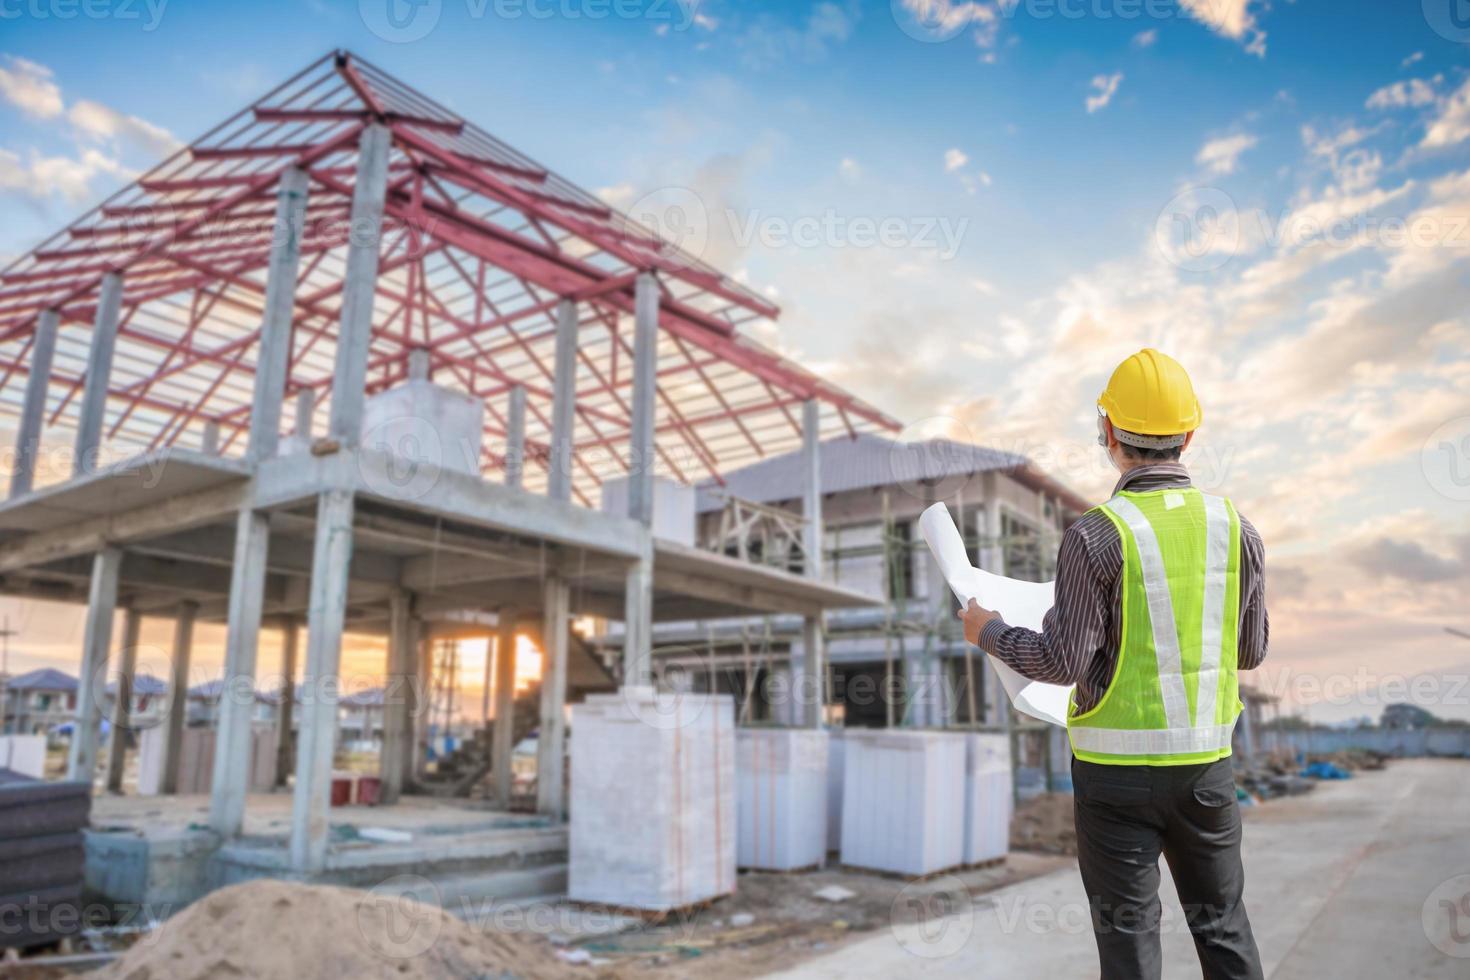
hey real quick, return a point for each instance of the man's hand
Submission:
(975, 617)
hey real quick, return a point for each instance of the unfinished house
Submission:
(904, 661)
(350, 363)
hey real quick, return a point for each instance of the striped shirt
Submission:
(1080, 636)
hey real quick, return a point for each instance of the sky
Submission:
(968, 213)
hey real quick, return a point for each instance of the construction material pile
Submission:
(274, 930)
(41, 857)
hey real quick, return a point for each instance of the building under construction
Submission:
(348, 363)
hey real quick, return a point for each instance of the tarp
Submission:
(1019, 604)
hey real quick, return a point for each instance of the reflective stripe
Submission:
(1160, 612)
(1156, 741)
(1217, 562)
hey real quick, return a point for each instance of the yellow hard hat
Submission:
(1150, 394)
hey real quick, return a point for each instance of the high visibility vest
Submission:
(1174, 697)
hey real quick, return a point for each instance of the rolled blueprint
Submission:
(1019, 604)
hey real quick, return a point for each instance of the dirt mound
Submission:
(1045, 823)
(275, 930)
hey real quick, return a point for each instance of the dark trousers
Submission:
(1126, 817)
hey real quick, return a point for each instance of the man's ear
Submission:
(1108, 428)
(1188, 438)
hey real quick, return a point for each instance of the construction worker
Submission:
(1160, 601)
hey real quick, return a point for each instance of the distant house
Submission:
(38, 701)
(360, 718)
(203, 705)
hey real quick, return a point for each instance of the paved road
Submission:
(1336, 882)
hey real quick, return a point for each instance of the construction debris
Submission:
(1045, 823)
(273, 930)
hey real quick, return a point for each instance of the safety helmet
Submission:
(1150, 402)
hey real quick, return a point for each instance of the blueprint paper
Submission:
(1019, 604)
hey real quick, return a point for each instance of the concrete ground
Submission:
(1349, 881)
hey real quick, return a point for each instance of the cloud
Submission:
(28, 86)
(850, 170)
(102, 123)
(768, 41)
(1412, 59)
(1452, 125)
(1411, 93)
(42, 177)
(1230, 18)
(954, 159)
(1410, 561)
(1145, 39)
(1220, 156)
(1105, 87)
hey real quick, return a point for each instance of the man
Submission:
(1160, 600)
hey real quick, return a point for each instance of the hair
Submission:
(1169, 455)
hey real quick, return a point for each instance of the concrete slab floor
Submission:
(1337, 884)
(269, 814)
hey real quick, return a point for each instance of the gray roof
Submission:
(858, 464)
(43, 679)
(144, 685)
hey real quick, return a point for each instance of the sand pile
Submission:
(276, 930)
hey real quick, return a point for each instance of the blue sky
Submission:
(1037, 167)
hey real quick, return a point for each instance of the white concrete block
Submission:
(781, 815)
(25, 754)
(652, 799)
(673, 507)
(903, 804)
(987, 797)
(422, 421)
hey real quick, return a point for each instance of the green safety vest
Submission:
(1173, 698)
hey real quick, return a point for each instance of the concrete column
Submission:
(97, 638)
(360, 283)
(231, 779)
(331, 556)
(811, 673)
(285, 714)
(418, 364)
(122, 704)
(645, 379)
(638, 618)
(273, 359)
(305, 410)
(33, 409)
(563, 403)
(502, 746)
(209, 439)
(421, 668)
(992, 551)
(178, 694)
(515, 437)
(397, 699)
(99, 374)
(551, 740)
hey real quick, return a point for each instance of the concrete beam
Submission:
(318, 728)
(563, 403)
(515, 437)
(641, 452)
(551, 740)
(178, 694)
(231, 782)
(97, 638)
(273, 357)
(397, 700)
(122, 703)
(99, 375)
(33, 409)
(502, 742)
(285, 756)
(359, 288)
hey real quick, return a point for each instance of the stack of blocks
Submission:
(903, 805)
(987, 797)
(652, 799)
(782, 815)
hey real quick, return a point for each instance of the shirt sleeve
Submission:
(1073, 630)
(1255, 624)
